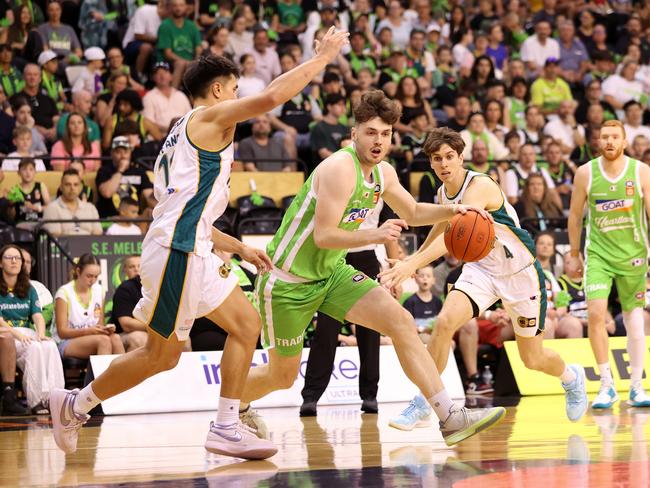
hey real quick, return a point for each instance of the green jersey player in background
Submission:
(615, 189)
(310, 272)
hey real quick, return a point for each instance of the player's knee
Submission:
(532, 361)
(394, 324)
(285, 378)
(445, 325)
(470, 328)
(166, 362)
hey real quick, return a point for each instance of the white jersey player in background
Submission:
(509, 273)
(181, 278)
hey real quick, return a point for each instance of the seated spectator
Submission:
(480, 164)
(602, 67)
(239, 39)
(132, 332)
(423, 305)
(75, 144)
(564, 129)
(44, 108)
(359, 56)
(105, 107)
(476, 129)
(23, 142)
(141, 36)
(494, 119)
(60, 38)
(51, 83)
(536, 205)
(116, 65)
(21, 36)
(326, 135)
(22, 111)
(538, 48)
(82, 103)
(164, 103)
(518, 174)
(420, 59)
(618, 89)
(179, 40)
(119, 178)
(461, 53)
(69, 207)
(589, 150)
(561, 169)
(639, 146)
(218, 44)
(593, 95)
(254, 150)
(595, 116)
(20, 312)
(45, 298)
(532, 131)
(78, 325)
(482, 75)
(462, 109)
(9, 404)
(574, 59)
(93, 22)
(90, 78)
(549, 90)
(496, 49)
(128, 210)
(128, 112)
(87, 193)
(267, 62)
(11, 79)
(29, 197)
(249, 82)
(396, 68)
(634, 121)
(409, 97)
(413, 142)
(513, 145)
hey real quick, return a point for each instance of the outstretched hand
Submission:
(257, 258)
(463, 209)
(331, 43)
(393, 277)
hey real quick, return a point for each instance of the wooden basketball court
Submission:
(535, 446)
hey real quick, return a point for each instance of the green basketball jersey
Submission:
(617, 230)
(293, 249)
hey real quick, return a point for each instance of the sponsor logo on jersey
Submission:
(526, 322)
(359, 277)
(375, 197)
(357, 215)
(629, 188)
(612, 188)
(224, 270)
(639, 262)
(640, 295)
(622, 205)
(171, 190)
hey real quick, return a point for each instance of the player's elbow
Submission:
(270, 99)
(321, 238)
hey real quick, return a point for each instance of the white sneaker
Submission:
(606, 397)
(638, 397)
(65, 422)
(238, 440)
(251, 419)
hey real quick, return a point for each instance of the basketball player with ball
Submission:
(500, 264)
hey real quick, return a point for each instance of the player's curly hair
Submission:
(375, 103)
(443, 135)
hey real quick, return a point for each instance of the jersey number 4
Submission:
(509, 254)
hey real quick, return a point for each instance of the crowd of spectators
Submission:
(91, 88)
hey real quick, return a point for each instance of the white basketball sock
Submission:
(635, 342)
(228, 412)
(86, 400)
(605, 374)
(441, 403)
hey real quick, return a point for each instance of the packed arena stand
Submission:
(89, 90)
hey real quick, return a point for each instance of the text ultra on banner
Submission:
(574, 351)
(194, 384)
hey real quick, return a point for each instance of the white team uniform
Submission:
(509, 273)
(181, 278)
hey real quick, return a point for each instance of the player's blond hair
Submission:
(615, 123)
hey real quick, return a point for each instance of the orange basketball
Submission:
(469, 237)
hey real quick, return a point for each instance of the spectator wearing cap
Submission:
(179, 40)
(60, 38)
(44, 108)
(326, 135)
(260, 152)
(164, 103)
(618, 89)
(538, 48)
(90, 79)
(11, 80)
(51, 83)
(128, 114)
(267, 62)
(120, 178)
(82, 103)
(634, 121)
(141, 35)
(71, 208)
(549, 90)
(398, 24)
(564, 129)
(574, 59)
(75, 143)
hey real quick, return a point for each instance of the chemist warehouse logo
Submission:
(614, 205)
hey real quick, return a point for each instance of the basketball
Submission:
(469, 237)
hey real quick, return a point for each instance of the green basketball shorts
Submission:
(631, 288)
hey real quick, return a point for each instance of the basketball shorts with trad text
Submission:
(631, 286)
(523, 295)
(287, 308)
(178, 287)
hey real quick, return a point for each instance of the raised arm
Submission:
(280, 90)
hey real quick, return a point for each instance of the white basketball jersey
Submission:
(80, 316)
(513, 248)
(192, 188)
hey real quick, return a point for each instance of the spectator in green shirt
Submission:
(549, 90)
(11, 80)
(179, 40)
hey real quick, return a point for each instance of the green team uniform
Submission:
(306, 278)
(617, 235)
